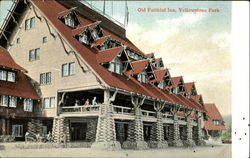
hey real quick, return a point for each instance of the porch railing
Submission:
(122, 110)
(80, 109)
(167, 116)
(148, 113)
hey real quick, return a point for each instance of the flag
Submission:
(126, 15)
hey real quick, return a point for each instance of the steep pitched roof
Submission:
(213, 114)
(176, 81)
(197, 98)
(189, 86)
(100, 41)
(7, 61)
(150, 55)
(65, 12)
(108, 55)
(158, 60)
(81, 29)
(160, 74)
(50, 10)
(139, 66)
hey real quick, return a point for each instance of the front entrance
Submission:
(78, 131)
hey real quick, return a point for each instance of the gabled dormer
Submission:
(134, 55)
(88, 33)
(198, 99)
(190, 89)
(158, 63)
(69, 18)
(142, 71)
(105, 43)
(8, 75)
(163, 79)
(150, 56)
(178, 85)
(114, 60)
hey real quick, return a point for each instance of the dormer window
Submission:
(116, 66)
(94, 34)
(162, 85)
(69, 18)
(84, 38)
(142, 77)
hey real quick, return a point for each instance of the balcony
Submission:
(80, 111)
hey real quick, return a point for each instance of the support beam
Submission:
(189, 129)
(135, 130)
(199, 118)
(176, 140)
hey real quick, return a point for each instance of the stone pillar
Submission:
(177, 141)
(189, 141)
(91, 130)
(157, 134)
(105, 132)
(135, 132)
(200, 140)
(60, 131)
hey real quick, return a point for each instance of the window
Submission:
(11, 76)
(45, 39)
(94, 34)
(71, 68)
(28, 105)
(3, 75)
(69, 20)
(68, 69)
(17, 130)
(45, 78)
(18, 40)
(162, 84)
(13, 101)
(84, 38)
(115, 67)
(142, 77)
(30, 23)
(34, 54)
(49, 102)
(4, 100)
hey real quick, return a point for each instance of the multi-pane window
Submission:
(142, 77)
(68, 69)
(13, 101)
(115, 67)
(83, 38)
(34, 54)
(10, 101)
(49, 102)
(45, 78)
(162, 84)
(4, 100)
(45, 39)
(30, 23)
(28, 105)
(7, 76)
(17, 130)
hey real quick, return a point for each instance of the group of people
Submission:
(38, 137)
(94, 102)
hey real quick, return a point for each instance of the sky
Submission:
(193, 45)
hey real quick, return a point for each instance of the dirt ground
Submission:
(208, 151)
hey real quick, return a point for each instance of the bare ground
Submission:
(208, 151)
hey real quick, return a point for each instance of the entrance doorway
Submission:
(78, 131)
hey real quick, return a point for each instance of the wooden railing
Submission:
(122, 110)
(167, 116)
(80, 109)
(148, 113)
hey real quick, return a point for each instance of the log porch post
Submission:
(176, 141)
(189, 141)
(199, 118)
(105, 134)
(157, 133)
(135, 138)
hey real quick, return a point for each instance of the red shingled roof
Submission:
(176, 81)
(158, 60)
(108, 55)
(138, 66)
(160, 74)
(197, 98)
(81, 29)
(51, 9)
(150, 55)
(65, 12)
(213, 114)
(189, 86)
(7, 61)
(99, 41)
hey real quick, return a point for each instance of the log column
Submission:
(105, 132)
(60, 131)
(157, 133)
(135, 129)
(189, 129)
(176, 141)
(199, 118)
(3, 126)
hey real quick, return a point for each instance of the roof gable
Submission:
(108, 55)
